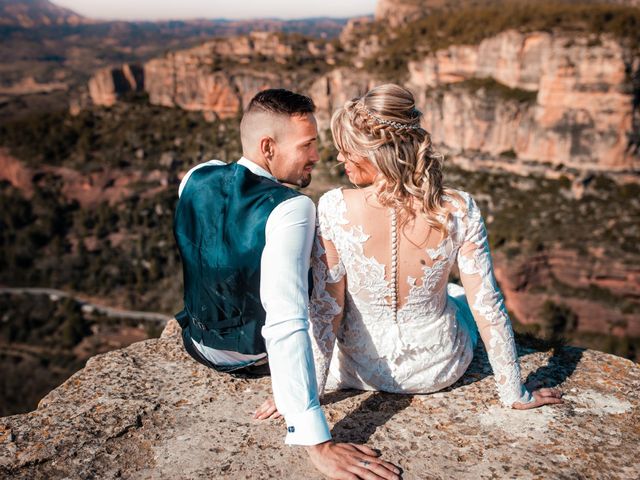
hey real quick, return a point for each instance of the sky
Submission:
(231, 9)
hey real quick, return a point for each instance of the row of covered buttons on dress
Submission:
(394, 264)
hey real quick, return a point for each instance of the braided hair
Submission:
(384, 126)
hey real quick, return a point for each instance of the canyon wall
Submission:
(568, 99)
(108, 85)
(537, 97)
(594, 287)
(178, 80)
(332, 90)
(220, 77)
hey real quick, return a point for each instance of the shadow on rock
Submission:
(560, 367)
(375, 411)
(336, 396)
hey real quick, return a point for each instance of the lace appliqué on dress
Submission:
(425, 350)
(323, 308)
(487, 304)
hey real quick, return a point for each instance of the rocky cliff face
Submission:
(397, 13)
(149, 411)
(178, 80)
(332, 90)
(109, 84)
(358, 40)
(537, 97)
(530, 281)
(14, 172)
(578, 110)
(221, 76)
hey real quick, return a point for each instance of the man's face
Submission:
(296, 151)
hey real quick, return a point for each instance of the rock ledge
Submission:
(149, 411)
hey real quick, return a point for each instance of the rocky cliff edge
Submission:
(149, 411)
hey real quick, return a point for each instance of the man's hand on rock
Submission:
(267, 410)
(348, 461)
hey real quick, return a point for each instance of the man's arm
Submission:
(284, 294)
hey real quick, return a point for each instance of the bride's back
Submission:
(390, 265)
(364, 236)
(397, 329)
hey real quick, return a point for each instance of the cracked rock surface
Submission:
(150, 412)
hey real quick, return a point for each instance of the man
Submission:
(245, 241)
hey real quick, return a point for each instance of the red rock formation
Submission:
(88, 189)
(13, 171)
(109, 84)
(29, 85)
(112, 187)
(546, 98)
(196, 79)
(558, 275)
(396, 13)
(357, 38)
(333, 89)
(580, 116)
(179, 80)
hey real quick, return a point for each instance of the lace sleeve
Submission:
(487, 305)
(327, 299)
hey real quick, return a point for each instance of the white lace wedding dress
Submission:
(399, 326)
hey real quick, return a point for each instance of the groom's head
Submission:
(279, 132)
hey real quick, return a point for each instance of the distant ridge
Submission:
(400, 12)
(37, 13)
(40, 51)
(43, 13)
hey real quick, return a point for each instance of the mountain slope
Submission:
(37, 13)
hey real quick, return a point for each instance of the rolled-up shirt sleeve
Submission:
(285, 295)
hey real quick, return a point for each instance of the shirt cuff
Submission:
(307, 428)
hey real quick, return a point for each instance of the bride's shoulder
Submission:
(460, 203)
(333, 193)
(330, 199)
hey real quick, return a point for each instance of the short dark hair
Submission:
(282, 101)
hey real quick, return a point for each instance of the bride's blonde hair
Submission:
(384, 126)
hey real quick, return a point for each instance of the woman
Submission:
(382, 260)
(382, 313)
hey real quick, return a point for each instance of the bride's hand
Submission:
(542, 396)
(267, 410)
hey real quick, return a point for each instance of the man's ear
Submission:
(267, 148)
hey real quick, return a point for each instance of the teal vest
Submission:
(219, 227)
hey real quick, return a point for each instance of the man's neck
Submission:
(261, 162)
(259, 168)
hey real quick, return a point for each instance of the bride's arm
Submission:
(327, 299)
(489, 311)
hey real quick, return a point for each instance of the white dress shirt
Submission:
(289, 234)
